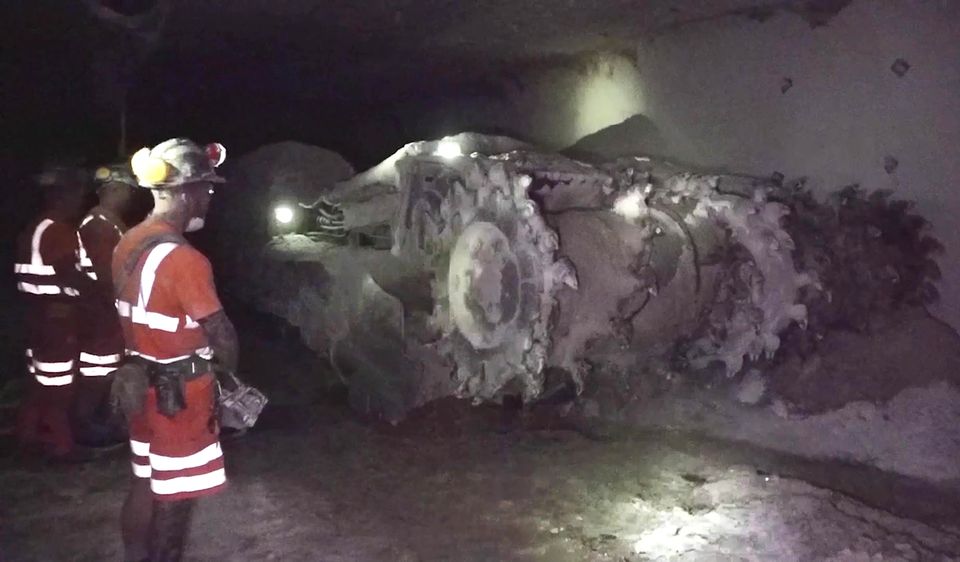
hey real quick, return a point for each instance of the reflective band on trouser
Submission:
(50, 373)
(182, 453)
(34, 289)
(93, 365)
(94, 359)
(34, 269)
(202, 470)
(141, 458)
(188, 484)
(199, 459)
(62, 380)
(87, 371)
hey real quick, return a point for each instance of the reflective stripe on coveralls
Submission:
(203, 353)
(84, 263)
(27, 273)
(139, 314)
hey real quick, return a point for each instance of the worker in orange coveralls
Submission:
(176, 331)
(101, 339)
(49, 283)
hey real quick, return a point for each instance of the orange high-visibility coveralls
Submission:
(46, 262)
(101, 339)
(171, 289)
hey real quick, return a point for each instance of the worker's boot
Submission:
(170, 523)
(135, 521)
(55, 417)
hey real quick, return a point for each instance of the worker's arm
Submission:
(223, 339)
(99, 239)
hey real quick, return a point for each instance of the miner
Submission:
(48, 281)
(176, 333)
(101, 339)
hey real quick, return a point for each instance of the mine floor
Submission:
(316, 482)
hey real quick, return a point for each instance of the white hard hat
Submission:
(176, 162)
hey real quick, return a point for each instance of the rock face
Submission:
(293, 170)
(505, 263)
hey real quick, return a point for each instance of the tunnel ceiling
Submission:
(488, 28)
(287, 65)
(415, 45)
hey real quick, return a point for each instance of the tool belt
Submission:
(239, 405)
(169, 380)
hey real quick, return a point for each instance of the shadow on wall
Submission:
(635, 135)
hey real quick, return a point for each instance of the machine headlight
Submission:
(448, 149)
(284, 215)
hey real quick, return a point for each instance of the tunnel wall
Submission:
(714, 89)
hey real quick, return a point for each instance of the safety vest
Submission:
(38, 277)
(84, 263)
(158, 317)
